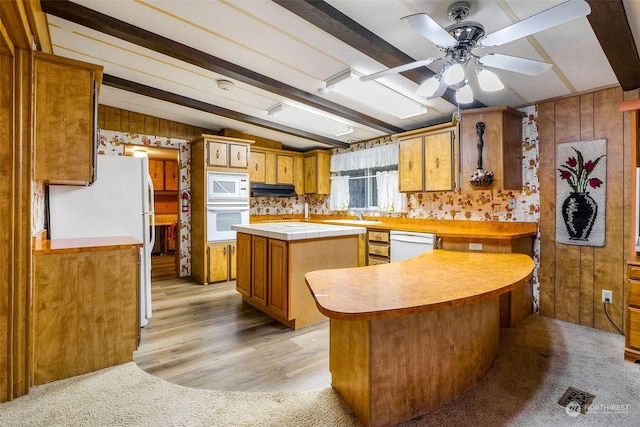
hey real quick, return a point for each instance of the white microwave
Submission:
(227, 187)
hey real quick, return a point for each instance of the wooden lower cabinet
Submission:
(86, 316)
(514, 305)
(378, 247)
(221, 261)
(632, 312)
(271, 273)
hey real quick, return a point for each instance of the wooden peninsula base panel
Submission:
(411, 336)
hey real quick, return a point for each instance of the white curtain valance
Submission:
(383, 155)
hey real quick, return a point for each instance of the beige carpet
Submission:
(538, 361)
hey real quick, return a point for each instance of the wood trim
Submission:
(87, 17)
(609, 22)
(149, 91)
(14, 17)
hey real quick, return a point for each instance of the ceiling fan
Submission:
(459, 40)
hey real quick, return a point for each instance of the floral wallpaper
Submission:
(478, 205)
(113, 143)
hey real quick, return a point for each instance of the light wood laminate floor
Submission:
(206, 337)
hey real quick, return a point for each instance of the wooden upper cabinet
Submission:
(317, 175)
(156, 172)
(66, 107)
(411, 164)
(284, 169)
(502, 148)
(427, 161)
(257, 166)
(271, 166)
(171, 175)
(223, 153)
(164, 174)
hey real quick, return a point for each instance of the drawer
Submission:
(633, 271)
(376, 261)
(633, 297)
(378, 236)
(634, 328)
(379, 250)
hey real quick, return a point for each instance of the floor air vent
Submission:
(574, 397)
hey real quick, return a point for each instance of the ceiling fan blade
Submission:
(442, 88)
(549, 18)
(398, 69)
(515, 64)
(424, 25)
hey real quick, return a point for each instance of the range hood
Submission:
(272, 190)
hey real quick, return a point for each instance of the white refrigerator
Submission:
(119, 203)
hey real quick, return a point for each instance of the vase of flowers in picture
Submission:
(579, 210)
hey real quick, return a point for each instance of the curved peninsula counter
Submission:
(409, 337)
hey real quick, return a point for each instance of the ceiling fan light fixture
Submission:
(464, 95)
(428, 87)
(454, 74)
(488, 80)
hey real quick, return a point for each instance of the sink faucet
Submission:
(359, 215)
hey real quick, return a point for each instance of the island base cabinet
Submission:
(86, 313)
(392, 370)
(271, 273)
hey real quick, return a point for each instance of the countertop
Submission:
(43, 247)
(298, 230)
(434, 280)
(465, 229)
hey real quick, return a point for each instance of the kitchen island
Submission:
(272, 259)
(409, 337)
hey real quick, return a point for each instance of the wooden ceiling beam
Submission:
(609, 22)
(339, 25)
(81, 15)
(140, 89)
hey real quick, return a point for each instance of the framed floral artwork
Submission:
(581, 192)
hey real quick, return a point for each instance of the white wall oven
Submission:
(227, 204)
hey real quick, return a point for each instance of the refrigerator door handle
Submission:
(151, 195)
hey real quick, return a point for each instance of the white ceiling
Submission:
(262, 36)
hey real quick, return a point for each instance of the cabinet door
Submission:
(233, 261)
(284, 169)
(216, 153)
(438, 162)
(257, 167)
(278, 294)
(218, 254)
(310, 174)
(156, 170)
(259, 269)
(238, 156)
(410, 167)
(65, 119)
(243, 259)
(171, 176)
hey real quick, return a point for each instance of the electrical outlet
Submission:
(607, 297)
(475, 246)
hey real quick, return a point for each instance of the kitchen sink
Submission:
(353, 221)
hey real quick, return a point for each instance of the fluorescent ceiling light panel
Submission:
(304, 119)
(374, 94)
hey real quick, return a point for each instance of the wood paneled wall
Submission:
(116, 119)
(572, 277)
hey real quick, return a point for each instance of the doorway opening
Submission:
(165, 175)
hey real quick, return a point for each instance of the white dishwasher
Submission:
(407, 244)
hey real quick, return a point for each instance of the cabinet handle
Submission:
(224, 250)
(256, 167)
(238, 155)
(217, 153)
(285, 169)
(409, 164)
(437, 162)
(233, 249)
(377, 251)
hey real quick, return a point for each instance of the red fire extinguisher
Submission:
(185, 201)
